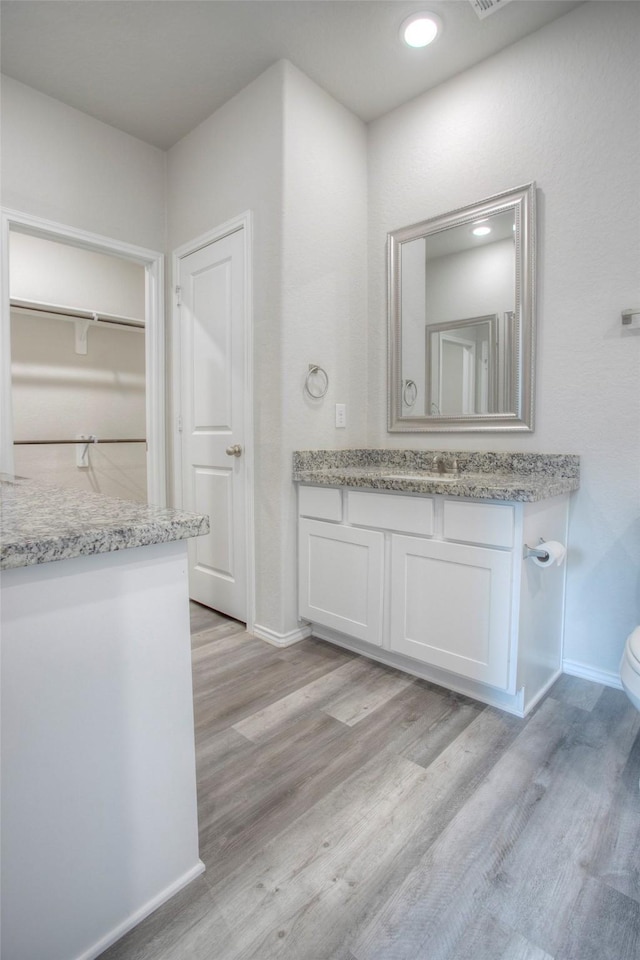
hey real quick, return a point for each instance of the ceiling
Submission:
(157, 68)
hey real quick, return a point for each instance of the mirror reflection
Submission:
(461, 315)
(462, 375)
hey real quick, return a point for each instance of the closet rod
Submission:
(85, 440)
(36, 306)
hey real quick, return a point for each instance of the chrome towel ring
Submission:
(310, 382)
(409, 392)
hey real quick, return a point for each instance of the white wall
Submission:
(559, 107)
(231, 163)
(472, 283)
(58, 394)
(287, 151)
(63, 275)
(324, 317)
(61, 165)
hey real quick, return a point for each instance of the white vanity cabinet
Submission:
(341, 578)
(437, 586)
(450, 606)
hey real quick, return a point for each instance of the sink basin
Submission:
(439, 477)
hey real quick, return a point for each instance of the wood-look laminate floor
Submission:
(350, 812)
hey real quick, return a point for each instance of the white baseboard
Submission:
(144, 911)
(281, 639)
(530, 704)
(606, 677)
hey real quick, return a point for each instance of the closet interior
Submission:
(78, 367)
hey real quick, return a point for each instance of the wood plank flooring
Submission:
(349, 812)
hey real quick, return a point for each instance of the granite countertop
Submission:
(523, 477)
(41, 523)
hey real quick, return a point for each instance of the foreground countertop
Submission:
(41, 523)
(522, 477)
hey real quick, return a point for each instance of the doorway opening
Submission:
(83, 361)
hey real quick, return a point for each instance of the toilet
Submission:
(630, 668)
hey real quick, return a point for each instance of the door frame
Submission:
(242, 222)
(155, 368)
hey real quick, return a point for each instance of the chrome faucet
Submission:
(439, 464)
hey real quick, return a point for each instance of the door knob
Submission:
(234, 451)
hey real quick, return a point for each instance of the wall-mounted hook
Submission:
(82, 450)
(81, 327)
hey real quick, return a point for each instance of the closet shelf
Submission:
(82, 319)
(79, 440)
(72, 313)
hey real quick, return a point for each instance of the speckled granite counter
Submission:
(524, 477)
(41, 523)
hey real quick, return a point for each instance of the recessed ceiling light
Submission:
(481, 231)
(421, 29)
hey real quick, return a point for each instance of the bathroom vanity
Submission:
(417, 559)
(99, 818)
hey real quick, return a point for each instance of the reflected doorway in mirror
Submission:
(461, 367)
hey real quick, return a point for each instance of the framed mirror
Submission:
(462, 318)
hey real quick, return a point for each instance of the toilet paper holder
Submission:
(535, 552)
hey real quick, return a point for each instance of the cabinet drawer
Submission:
(391, 512)
(323, 503)
(487, 523)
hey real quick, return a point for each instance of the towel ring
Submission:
(313, 369)
(409, 393)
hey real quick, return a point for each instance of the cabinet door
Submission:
(450, 607)
(341, 578)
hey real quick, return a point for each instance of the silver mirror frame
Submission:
(522, 200)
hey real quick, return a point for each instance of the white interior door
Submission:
(212, 355)
(457, 376)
